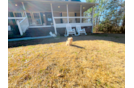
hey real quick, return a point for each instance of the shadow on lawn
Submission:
(77, 46)
(119, 38)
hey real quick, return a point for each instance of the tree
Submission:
(109, 15)
(98, 10)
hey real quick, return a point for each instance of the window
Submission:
(17, 14)
(29, 18)
(36, 15)
(37, 18)
(29, 15)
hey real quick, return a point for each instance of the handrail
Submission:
(23, 19)
(18, 23)
(16, 17)
(23, 25)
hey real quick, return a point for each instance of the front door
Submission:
(37, 19)
(48, 16)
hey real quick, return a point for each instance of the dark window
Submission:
(29, 18)
(36, 15)
(18, 15)
(28, 14)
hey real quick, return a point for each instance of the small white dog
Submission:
(69, 41)
(53, 35)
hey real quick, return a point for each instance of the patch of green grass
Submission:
(76, 53)
(98, 82)
(41, 71)
(23, 59)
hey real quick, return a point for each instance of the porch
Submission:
(56, 14)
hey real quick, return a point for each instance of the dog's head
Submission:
(70, 39)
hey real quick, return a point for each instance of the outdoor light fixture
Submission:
(16, 5)
(83, 7)
(58, 6)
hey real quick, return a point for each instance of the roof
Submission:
(73, 5)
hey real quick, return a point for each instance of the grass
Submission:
(94, 64)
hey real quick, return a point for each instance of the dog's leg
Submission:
(66, 43)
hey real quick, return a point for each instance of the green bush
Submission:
(109, 27)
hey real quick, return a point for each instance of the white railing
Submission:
(83, 21)
(23, 25)
(16, 18)
(73, 19)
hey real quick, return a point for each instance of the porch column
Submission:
(92, 18)
(80, 13)
(24, 8)
(67, 14)
(53, 19)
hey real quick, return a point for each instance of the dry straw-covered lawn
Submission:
(86, 64)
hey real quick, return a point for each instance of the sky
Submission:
(83, 0)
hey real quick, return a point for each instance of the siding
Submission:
(12, 7)
(57, 14)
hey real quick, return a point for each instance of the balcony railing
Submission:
(62, 21)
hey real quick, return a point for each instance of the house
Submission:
(31, 17)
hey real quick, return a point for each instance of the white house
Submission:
(48, 15)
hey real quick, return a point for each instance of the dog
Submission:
(53, 35)
(69, 41)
